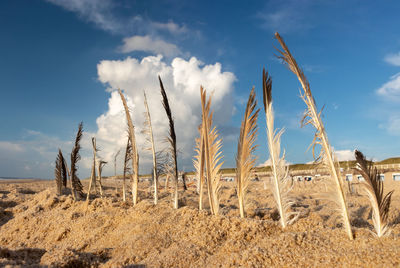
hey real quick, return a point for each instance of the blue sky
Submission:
(61, 61)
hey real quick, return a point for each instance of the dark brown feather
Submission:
(172, 136)
(60, 173)
(128, 151)
(64, 172)
(267, 89)
(374, 185)
(77, 188)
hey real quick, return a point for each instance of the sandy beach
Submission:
(39, 228)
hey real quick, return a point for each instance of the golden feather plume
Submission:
(212, 152)
(198, 163)
(313, 117)
(245, 158)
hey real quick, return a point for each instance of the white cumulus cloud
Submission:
(32, 156)
(393, 125)
(286, 16)
(95, 11)
(106, 15)
(148, 44)
(344, 155)
(268, 162)
(171, 27)
(391, 89)
(182, 80)
(10, 147)
(393, 59)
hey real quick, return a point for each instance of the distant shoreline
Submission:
(10, 179)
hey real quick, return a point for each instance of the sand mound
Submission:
(51, 230)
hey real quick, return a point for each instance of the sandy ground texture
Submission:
(40, 229)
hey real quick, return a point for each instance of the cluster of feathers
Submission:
(61, 171)
(208, 159)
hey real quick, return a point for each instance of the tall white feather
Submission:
(313, 117)
(281, 187)
(149, 132)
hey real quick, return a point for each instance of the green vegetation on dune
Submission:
(393, 160)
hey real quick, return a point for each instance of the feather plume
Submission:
(92, 178)
(373, 186)
(100, 163)
(281, 187)
(198, 163)
(313, 117)
(77, 188)
(93, 170)
(128, 153)
(115, 162)
(64, 171)
(245, 158)
(68, 171)
(60, 173)
(148, 131)
(212, 152)
(171, 140)
(165, 166)
(100, 166)
(134, 152)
